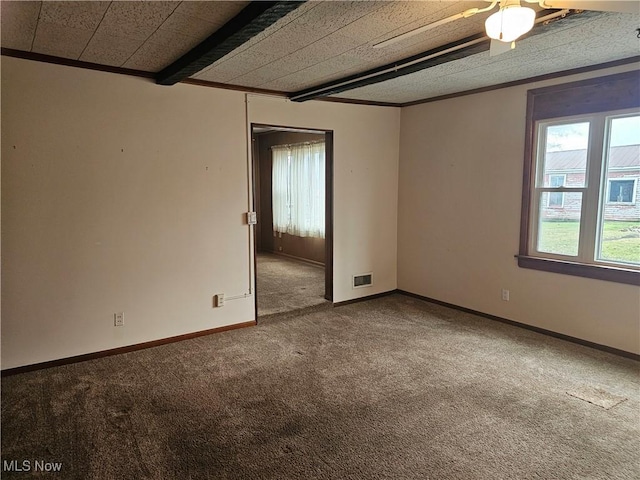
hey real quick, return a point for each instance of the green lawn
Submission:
(620, 241)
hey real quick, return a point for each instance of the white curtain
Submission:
(280, 188)
(298, 192)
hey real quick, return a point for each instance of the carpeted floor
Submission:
(285, 284)
(392, 388)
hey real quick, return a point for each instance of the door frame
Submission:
(328, 204)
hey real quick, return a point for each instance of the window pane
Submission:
(620, 225)
(620, 242)
(556, 199)
(565, 155)
(559, 228)
(621, 191)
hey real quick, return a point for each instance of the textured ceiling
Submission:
(319, 42)
(138, 35)
(587, 41)
(322, 41)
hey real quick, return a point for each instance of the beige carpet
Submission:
(285, 284)
(393, 388)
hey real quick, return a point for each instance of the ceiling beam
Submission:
(447, 53)
(252, 20)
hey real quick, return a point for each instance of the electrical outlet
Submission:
(118, 319)
(218, 300)
(505, 295)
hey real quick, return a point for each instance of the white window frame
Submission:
(580, 99)
(538, 189)
(593, 192)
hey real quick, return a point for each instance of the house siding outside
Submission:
(624, 164)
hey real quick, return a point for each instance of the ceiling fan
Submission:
(512, 20)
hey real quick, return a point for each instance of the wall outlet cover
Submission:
(218, 300)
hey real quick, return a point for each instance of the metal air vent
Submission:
(363, 280)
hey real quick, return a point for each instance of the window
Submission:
(556, 199)
(581, 213)
(622, 191)
(298, 189)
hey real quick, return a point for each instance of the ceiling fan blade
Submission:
(498, 48)
(623, 6)
(418, 30)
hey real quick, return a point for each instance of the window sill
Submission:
(599, 272)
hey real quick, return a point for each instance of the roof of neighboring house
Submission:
(619, 157)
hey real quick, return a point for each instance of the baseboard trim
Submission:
(551, 333)
(155, 343)
(116, 351)
(365, 299)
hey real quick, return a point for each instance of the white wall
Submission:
(366, 153)
(121, 195)
(461, 165)
(117, 195)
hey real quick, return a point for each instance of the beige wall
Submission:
(460, 190)
(365, 184)
(117, 196)
(121, 195)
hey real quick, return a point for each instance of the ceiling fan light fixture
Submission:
(510, 22)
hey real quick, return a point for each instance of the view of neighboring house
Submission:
(567, 169)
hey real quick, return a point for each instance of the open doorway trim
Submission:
(328, 204)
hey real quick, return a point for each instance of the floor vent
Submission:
(597, 396)
(363, 280)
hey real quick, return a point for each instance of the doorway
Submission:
(294, 258)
